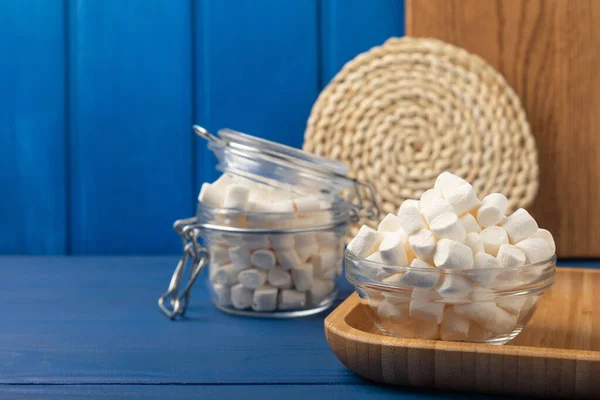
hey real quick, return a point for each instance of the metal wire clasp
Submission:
(174, 302)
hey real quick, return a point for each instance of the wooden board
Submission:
(549, 52)
(558, 353)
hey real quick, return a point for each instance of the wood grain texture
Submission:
(130, 96)
(558, 353)
(548, 51)
(256, 70)
(33, 160)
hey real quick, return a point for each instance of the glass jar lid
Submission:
(289, 169)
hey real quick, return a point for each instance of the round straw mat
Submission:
(402, 113)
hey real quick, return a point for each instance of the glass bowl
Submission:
(491, 305)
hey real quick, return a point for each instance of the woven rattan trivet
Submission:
(402, 113)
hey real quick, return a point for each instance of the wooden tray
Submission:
(558, 353)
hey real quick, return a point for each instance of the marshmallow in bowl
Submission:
(391, 250)
(492, 210)
(450, 229)
(410, 217)
(519, 225)
(452, 255)
(366, 242)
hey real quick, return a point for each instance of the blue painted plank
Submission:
(97, 322)
(32, 127)
(257, 70)
(350, 27)
(131, 112)
(361, 391)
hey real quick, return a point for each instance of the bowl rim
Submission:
(353, 257)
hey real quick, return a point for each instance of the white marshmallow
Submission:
(470, 224)
(222, 294)
(288, 259)
(520, 225)
(320, 290)
(454, 286)
(473, 240)
(410, 216)
(425, 294)
(291, 299)
(302, 276)
(462, 197)
(240, 257)
(283, 206)
(263, 259)
(373, 301)
(366, 242)
(427, 311)
(428, 197)
(493, 207)
(222, 182)
(257, 206)
(511, 256)
(265, 298)
(488, 315)
(232, 239)
(422, 244)
(394, 311)
(219, 254)
(253, 242)
(547, 236)
(327, 240)
(536, 249)
(392, 250)
(325, 263)
(241, 297)
(454, 326)
(391, 223)
(492, 237)
(437, 208)
(478, 334)
(278, 195)
(421, 279)
(394, 279)
(226, 275)
(279, 278)
(448, 226)
(426, 330)
(375, 257)
(252, 278)
(447, 180)
(209, 196)
(283, 241)
(236, 197)
(451, 254)
(481, 262)
(482, 294)
(306, 245)
(512, 304)
(307, 204)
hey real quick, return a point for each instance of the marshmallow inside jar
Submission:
(469, 279)
(274, 227)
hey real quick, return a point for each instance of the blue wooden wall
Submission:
(97, 98)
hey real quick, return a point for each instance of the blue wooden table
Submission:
(75, 327)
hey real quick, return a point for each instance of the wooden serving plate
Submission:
(558, 353)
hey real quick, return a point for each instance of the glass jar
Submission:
(279, 255)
